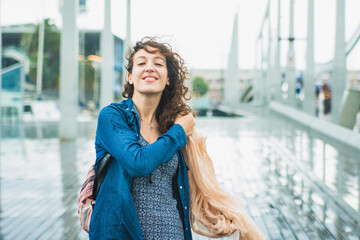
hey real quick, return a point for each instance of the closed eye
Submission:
(141, 63)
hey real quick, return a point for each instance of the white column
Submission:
(39, 67)
(128, 22)
(69, 76)
(97, 67)
(82, 74)
(340, 76)
(269, 86)
(309, 80)
(22, 91)
(127, 39)
(232, 93)
(107, 54)
(255, 82)
(261, 82)
(277, 64)
(290, 68)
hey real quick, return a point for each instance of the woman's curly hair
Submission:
(174, 97)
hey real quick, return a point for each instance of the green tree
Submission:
(51, 62)
(200, 86)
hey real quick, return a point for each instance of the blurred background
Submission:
(276, 80)
(238, 52)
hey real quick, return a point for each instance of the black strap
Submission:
(101, 173)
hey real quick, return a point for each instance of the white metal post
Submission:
(82, 60)
(277, 64)
(269, 86)
(40, 60)
(309, 80)
(97, 68)
(290, 68)
(127, 39)
(22, 90)
(340, 78)
(128, 22)
(69, 72)
(107, 54)
(256, 79)
(232, 73)
(261, 82)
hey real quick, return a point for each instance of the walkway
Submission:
(295, 186)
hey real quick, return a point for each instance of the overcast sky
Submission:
(201, 29)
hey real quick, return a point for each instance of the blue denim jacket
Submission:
(114, 215)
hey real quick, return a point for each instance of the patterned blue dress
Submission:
(155, 202)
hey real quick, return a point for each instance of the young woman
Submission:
(145, 194)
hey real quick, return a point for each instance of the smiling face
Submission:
(149, 73)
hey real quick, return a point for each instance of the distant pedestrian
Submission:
(327, 97)
(299, 85)
(317, 95)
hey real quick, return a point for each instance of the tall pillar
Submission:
(277, 63)
(128, 22)
(340, 76)
(290, 68)
(262, 77)
(232, 93)
(40, 60)
(82, 53)
(107, 54)
(269, 86)
(257, 75)
(82, 74)
(69, 81)
(127, 39)
(309, 80)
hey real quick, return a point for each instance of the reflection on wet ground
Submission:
(40, 179)
(294, 185)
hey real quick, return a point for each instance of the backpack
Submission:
(90, 189)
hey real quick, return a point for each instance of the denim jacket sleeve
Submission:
(115, 135)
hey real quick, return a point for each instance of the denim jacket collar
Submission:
(130, 107)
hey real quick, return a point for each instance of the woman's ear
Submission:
(129, 77)
(168, 81)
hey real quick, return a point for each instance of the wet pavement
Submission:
(294, 185)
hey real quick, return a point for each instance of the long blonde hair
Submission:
(213, 211)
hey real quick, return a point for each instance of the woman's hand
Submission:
(187, 122)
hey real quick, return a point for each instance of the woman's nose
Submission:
(149, 67)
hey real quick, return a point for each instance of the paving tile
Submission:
(259, 160)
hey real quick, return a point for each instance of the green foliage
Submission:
(51, 61)
(200, 86)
